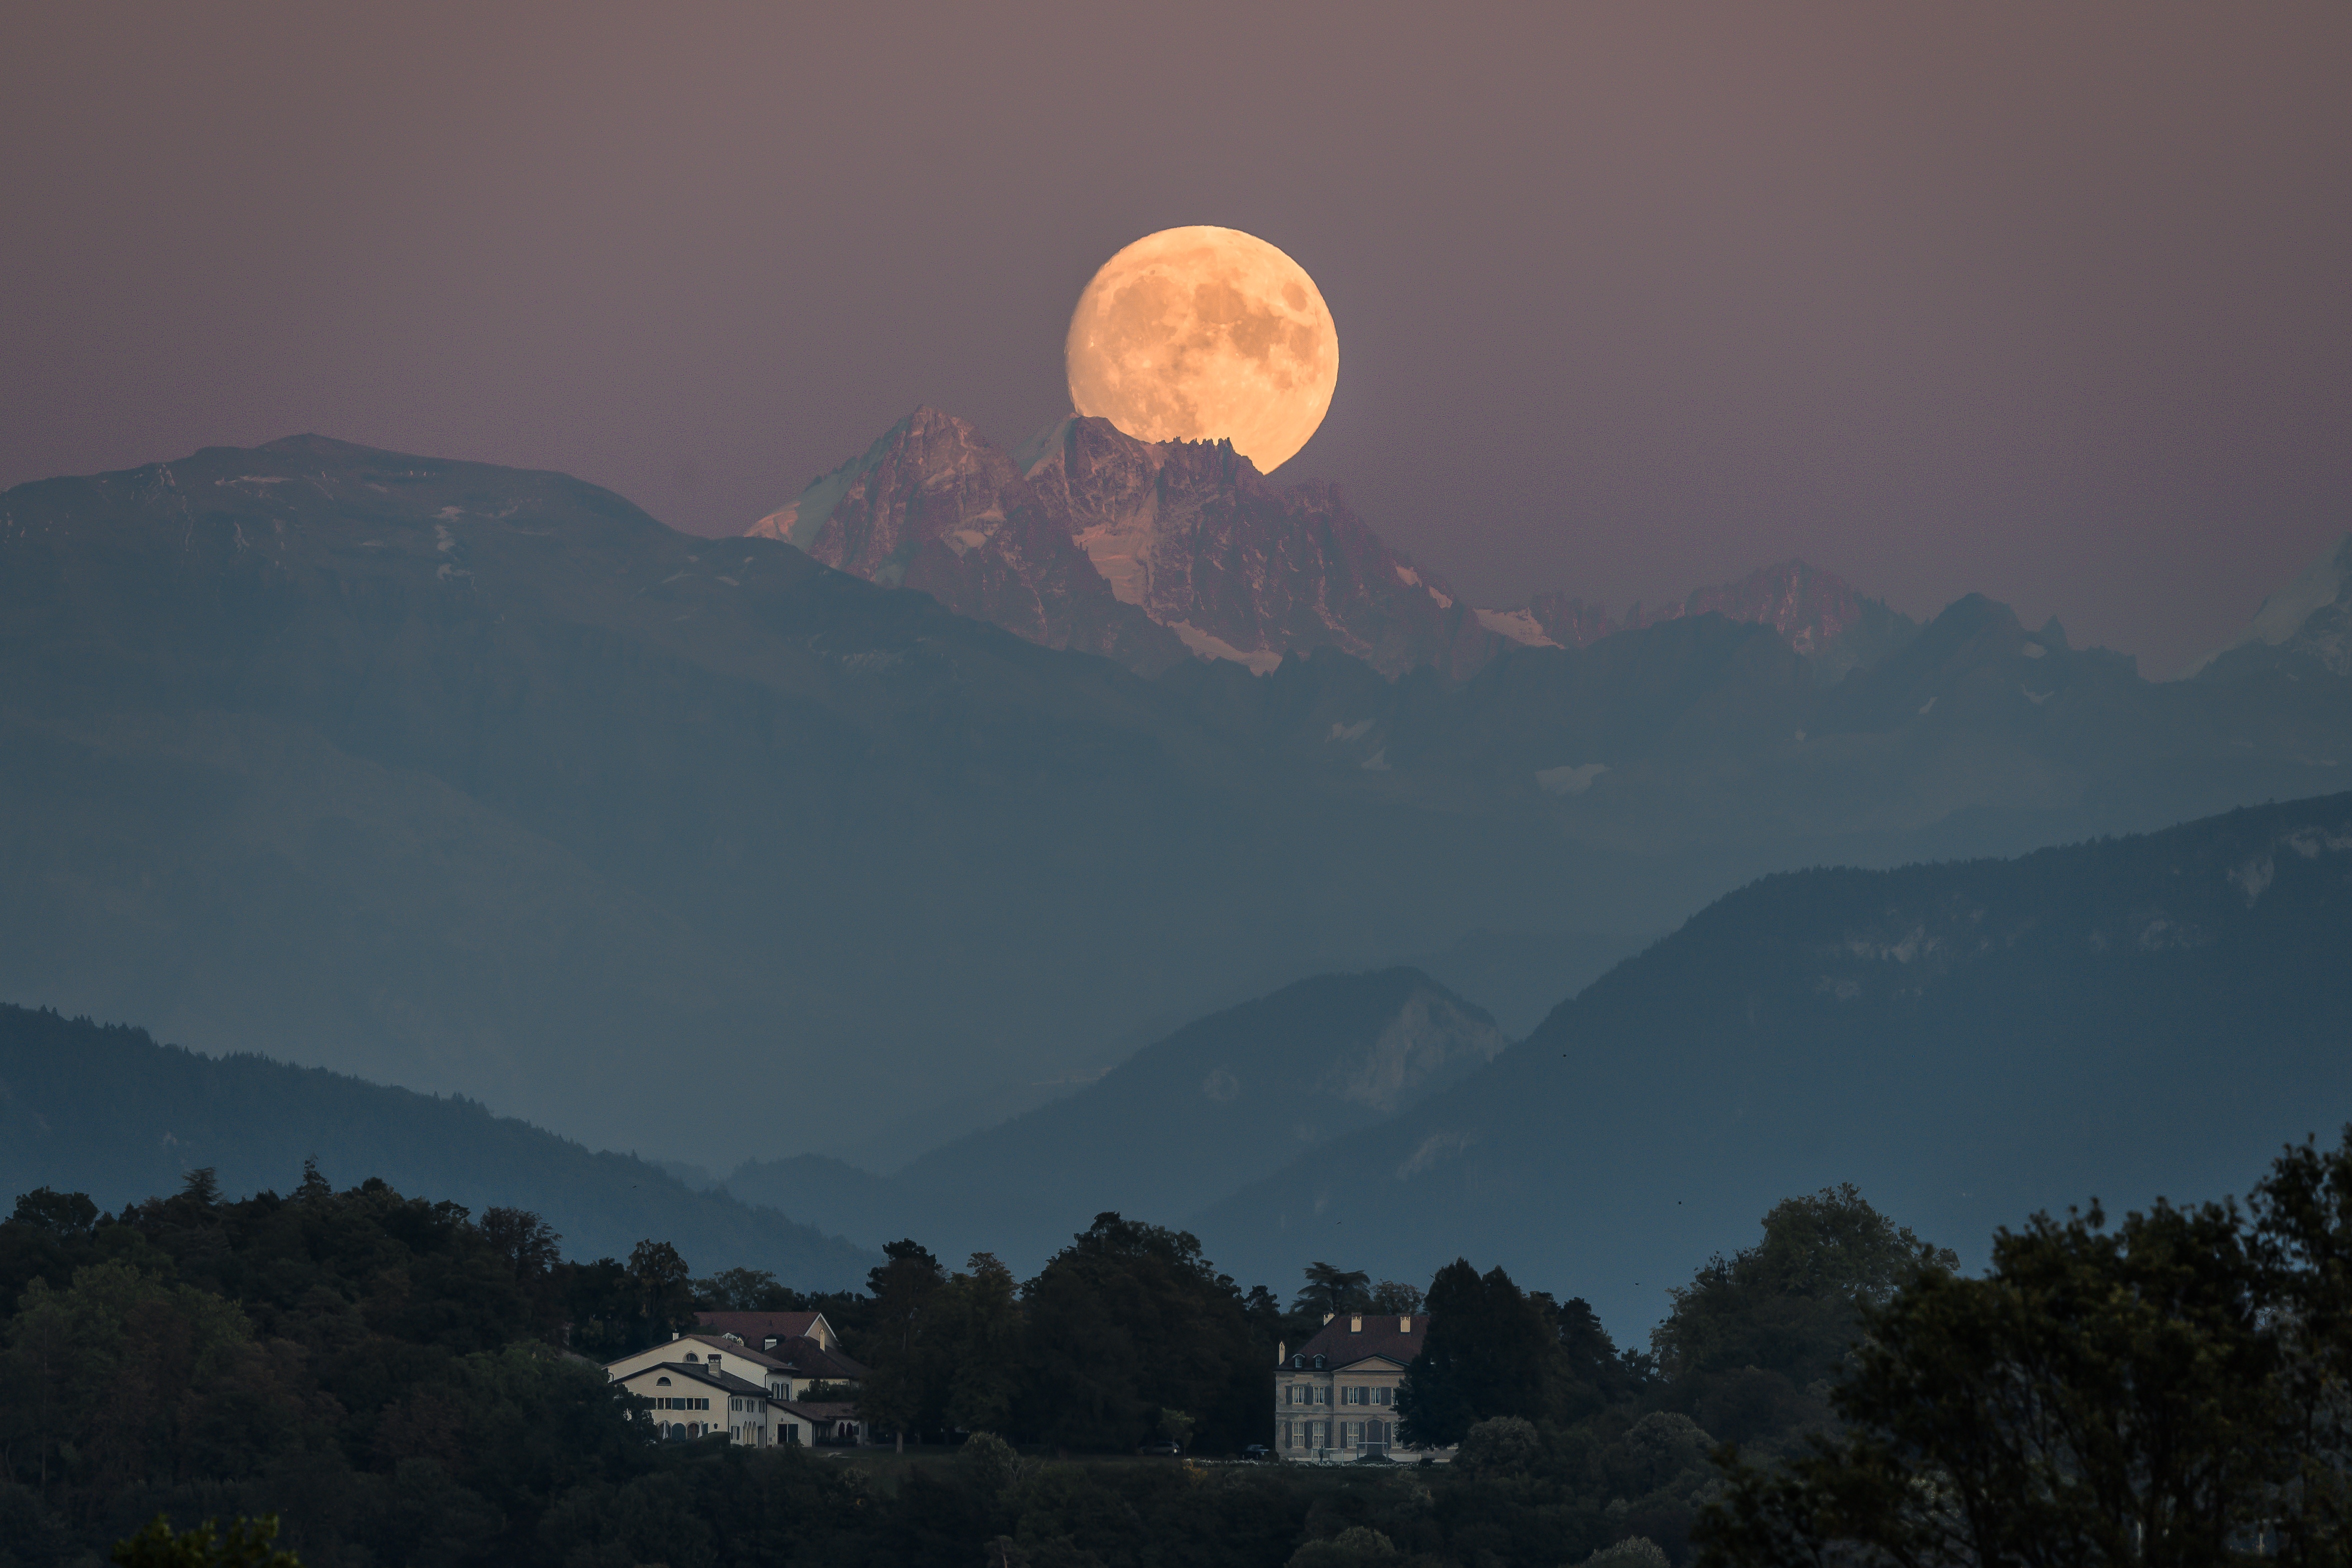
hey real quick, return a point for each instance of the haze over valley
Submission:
(481, 781)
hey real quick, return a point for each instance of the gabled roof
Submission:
(730, 1350)
(697, 1373)
(814, 1361)
(1351, 1338)
(829, 1410)
(752, 1328)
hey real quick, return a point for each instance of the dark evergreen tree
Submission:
(1489, 1352)
(1127, 1321)
(906, 1392)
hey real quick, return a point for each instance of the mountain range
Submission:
(482, 782)
(1086, 538)
(1969, 1042)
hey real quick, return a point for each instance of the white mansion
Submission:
(747, 1375)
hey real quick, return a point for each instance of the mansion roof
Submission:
(1353, 1337)
(794, 1346)
(696, 1373)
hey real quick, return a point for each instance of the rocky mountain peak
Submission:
(2310, 617)
(1087, 538)
(1084, 538)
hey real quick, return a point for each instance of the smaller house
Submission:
(788, 1371)
(830, 1422)
(700, 1385)
(1335, 1396)
(694, 1401)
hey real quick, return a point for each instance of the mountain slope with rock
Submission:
(481, 781)
(1138, 550)
(1966, 1042)
(1220, 1102)
(2308, 621)
(1193, 550)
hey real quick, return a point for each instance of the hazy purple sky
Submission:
(2052, 302)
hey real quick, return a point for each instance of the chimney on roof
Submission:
(673, 1336)
(770, 1345)
(1404, 1325)
(1327, 1320)
(1356, 1324)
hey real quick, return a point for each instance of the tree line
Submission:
(405, 1384)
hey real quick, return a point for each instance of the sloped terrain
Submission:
(1227, 1099)
(106, 1111)
(1966, 1042)
(483, 781)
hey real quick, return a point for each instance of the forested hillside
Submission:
(106, 1111)
(391, 1377)
(1967, 1041)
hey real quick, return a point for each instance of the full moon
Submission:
(1195, 334)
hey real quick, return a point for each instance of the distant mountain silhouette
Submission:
(1180, 1124)
(481, 781)
(1967, 1041)
(106, 1111)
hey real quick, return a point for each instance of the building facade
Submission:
(1335, 1396)
(700, 1385)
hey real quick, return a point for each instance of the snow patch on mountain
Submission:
(1209, 645)
(2312, 614)
(1518, 625)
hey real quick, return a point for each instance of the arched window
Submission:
(661, 1383)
